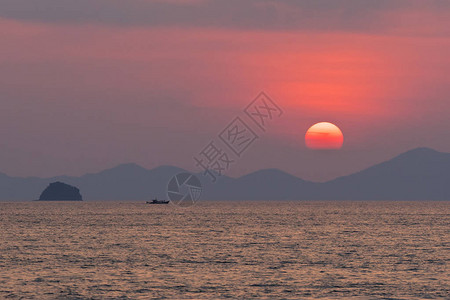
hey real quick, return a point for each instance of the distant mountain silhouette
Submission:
(59, 191)
(268, 184)
(125, 182)
(419, 174)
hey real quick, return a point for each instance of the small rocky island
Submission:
(59, 191)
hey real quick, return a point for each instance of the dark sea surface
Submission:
(216, 250)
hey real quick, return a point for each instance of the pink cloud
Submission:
(106, 87)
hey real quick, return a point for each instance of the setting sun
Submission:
(324, 136)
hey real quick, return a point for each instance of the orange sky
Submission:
(384, 81)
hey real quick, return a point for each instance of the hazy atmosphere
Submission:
(212, 149)
(87, 85)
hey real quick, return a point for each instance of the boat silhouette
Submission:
(156, 201)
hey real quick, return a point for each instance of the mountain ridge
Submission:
(418, 174)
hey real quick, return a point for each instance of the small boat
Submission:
(156, 201)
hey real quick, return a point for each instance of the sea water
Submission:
(216, 250)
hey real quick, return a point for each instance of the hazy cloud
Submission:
(87, 84)
(349, 15)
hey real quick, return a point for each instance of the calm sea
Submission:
(271, 250)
